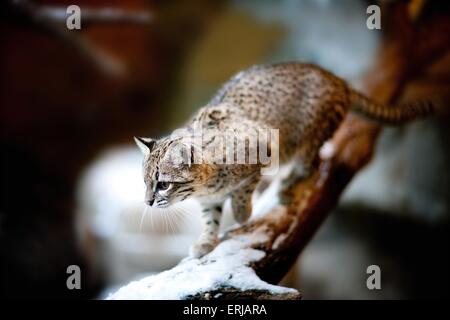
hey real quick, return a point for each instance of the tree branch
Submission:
(51, 21)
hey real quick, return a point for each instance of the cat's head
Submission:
(169, 172)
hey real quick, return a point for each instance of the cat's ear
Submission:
(145, 144)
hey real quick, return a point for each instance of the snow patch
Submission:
(278, 241)
(327, 151)
(226, 266)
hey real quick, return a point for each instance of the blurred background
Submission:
(71, 101)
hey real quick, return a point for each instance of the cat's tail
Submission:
(396, 114)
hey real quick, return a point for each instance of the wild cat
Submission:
(303, 102)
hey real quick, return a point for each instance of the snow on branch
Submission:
(227, 267)
(257, 254)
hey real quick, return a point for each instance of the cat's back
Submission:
(276, 93)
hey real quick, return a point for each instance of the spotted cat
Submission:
(303, 102)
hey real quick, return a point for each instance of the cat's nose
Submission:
(150, 202)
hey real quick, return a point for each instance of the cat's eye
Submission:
(163, 185)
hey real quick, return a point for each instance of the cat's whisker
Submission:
(166, 227)
(161, 224)
(180, 217)
(169, 222)
(169, 229)
(170, 216)
(152, 226)
(171, 219)
(143, 218)
(180, 214)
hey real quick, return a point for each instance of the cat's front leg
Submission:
(208, 239)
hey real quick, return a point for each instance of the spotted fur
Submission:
(304, 102)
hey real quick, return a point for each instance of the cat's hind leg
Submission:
(304, 163)
(241, 199)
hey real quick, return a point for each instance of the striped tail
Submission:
(390, 114)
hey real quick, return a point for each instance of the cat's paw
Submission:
(242, 216)
(201, 248)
